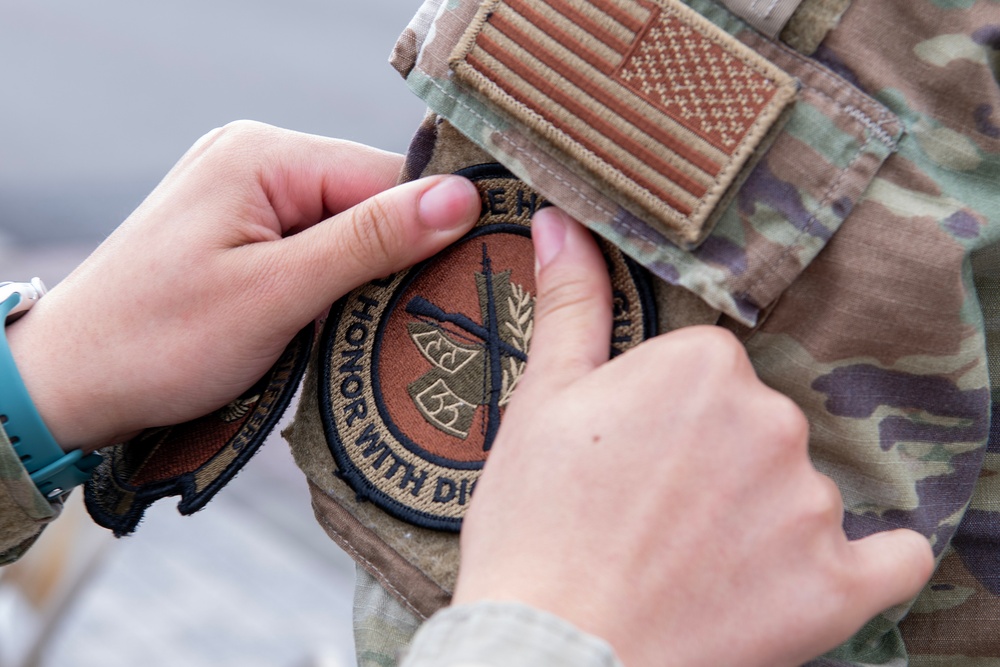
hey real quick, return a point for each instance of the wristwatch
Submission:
(53, 470)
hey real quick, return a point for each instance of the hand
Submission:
(665, 500)
(195, 296)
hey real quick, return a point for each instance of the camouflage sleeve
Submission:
(495, 634)
(383, 626)
(24, 511)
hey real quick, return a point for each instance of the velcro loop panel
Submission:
(645, 97)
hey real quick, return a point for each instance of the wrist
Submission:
(52, 390)
(52, 469)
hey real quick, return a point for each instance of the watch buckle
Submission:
(30, 294)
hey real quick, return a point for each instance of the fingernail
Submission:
(548, 232)
(448, 204)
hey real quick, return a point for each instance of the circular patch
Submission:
(418, 368)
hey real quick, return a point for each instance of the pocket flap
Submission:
(756, 228)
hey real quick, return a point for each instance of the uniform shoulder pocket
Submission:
(720, 160)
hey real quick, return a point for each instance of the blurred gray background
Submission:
(98, 99)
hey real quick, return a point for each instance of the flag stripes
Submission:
(600, 95)
(631, 157)
(625, 85)
(599, 24)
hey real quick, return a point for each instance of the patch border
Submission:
(118, 505)
(347, 470)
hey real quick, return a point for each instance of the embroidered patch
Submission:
(645, 96)
(196, 459)
(417, 369)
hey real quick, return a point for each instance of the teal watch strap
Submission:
(52, 470)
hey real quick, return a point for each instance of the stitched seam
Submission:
(840, 84)
(378, 573)
(517, 148)
(626, 222)
(631, 225)
(772, 267)
(859, 115)
(866, 120)
(884, 115)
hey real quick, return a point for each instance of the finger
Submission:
(301, 179)
(892, 567)
(384, 234)
(573, 309)
(312, 178)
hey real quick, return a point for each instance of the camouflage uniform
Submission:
(24, 511)
(854, 254)
(856, 261)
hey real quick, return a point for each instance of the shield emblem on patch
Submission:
(417, 369)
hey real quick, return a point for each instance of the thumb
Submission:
(893, 567)
(573, 308)
(383, 234)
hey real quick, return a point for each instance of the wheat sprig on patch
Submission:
(520, 306)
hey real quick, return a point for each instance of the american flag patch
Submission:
(649, 98)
